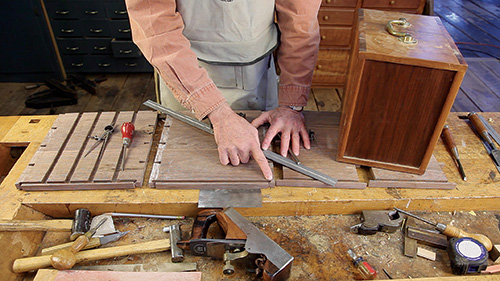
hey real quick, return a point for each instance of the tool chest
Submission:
(94, 36)
(399, 91)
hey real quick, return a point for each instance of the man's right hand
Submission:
(237, 140)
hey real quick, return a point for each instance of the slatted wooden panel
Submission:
(60, 162)
(321, 156)
(187, 158)
(433, 178)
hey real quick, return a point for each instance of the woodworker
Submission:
(215, 56)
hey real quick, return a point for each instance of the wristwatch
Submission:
(296, 108)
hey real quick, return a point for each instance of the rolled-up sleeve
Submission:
(157, 31)
(298, 50)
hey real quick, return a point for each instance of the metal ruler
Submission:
(269, 154)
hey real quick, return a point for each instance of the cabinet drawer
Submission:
(99, 46)
(61, 9)
(328, 16)
(67, 28)
(133, 65)
(339, 3)
(392, 4)
(92, 10)
(72, 46)
(335, 36)
(125, 49)
(120, 29)
(116, 9)
(96, 28)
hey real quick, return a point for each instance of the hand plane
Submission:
(243, 242)
(373, 221)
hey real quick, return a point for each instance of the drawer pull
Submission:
(96, 30)
(404, 37)
(120, 12)
(319, 67)
(131, 64)
(323, 37)
(77, 64)
(62, 13)
(124, 30)
(104, 65)
(328, 1)
(125, 51)
(67, 30)
(91, 12)
(392, 2)
(102, 48)
(326, 18)
(72, 49)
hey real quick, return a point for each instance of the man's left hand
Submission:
(288, 122)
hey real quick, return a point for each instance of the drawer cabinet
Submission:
(337, 20)
(94, 36)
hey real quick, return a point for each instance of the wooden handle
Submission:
(230, 228)
(452, 231)
(34, 263)
(477, 123)
(203, 220)
(65, 258)
(94, 243)
(448, 137)
(36, 225)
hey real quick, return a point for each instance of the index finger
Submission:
(261, 160)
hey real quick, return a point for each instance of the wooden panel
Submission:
(328, 16)
(331, 67)
(433, 177)
(392, 4)
(60, 162)
(339, 3)
(335, 36)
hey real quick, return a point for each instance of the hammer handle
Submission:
(94, 243)
(36, 225)
(34, 263)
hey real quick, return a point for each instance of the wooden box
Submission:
(398, 95)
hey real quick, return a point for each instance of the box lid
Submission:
(434, 45)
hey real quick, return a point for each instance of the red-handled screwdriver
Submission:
(366, 270)
(127, 132)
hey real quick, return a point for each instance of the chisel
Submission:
(451, 145)
(485, 135)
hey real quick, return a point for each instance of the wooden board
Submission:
(321, 156)
(60, 162)
(433, 177)
(83, 275)
(187, 158)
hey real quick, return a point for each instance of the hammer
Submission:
(78, 226)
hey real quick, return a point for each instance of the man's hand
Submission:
(290, 123)
(237, 140)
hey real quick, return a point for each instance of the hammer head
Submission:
(81, 223)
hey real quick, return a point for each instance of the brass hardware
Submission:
(77, 64)
(328, 1)
(102, 48)
(63, 13)
(125, 51)
(72, 48)
(96, 30)
(319, 67)
(91, 12)
(67, 30)
(124, 30)
(131, 64)
(392, 2)
(326, 18)
(404, 37)
(323, 37)
(104, 65)
(121, 12)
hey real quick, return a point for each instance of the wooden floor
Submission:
(473, 24)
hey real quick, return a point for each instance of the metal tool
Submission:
(429, 237)
(467, 255)
(243, 242)
(485, 135)
(493, 133)
(93, 243)
(269, 154)
(65, 258)
(452, 146)
(175, 236)
(452, 231)
(130, 215)
(222, 198)
(365, 269)
(373, 221)
(103, 138)
(127, 130)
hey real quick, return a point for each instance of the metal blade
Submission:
(493, 133)
(222, 198)
(299, 168)
(112, 237)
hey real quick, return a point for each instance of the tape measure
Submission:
(467, 255)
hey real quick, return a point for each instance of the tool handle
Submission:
(448, 137)
(34, 263)
(230, 228)
(483, 132)
(35, 225)
(452, 231)
(203, 220)
(127, 131)
(93, 243)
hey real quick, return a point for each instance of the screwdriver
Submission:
(127, 132)
(452, 231)
(366, 270)
(451, 145)
(65, 258)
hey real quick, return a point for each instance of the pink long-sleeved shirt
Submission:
(157, 30)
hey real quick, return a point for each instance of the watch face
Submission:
(297, 108)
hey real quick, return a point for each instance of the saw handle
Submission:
(203, 221)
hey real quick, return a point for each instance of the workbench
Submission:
(296, 218)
